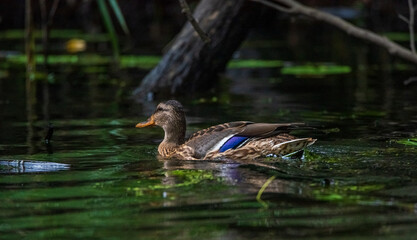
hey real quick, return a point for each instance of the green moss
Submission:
(144, 62)
(183, 178)
(408, 141)
(19, 34)
(312, 70)
(254, 63)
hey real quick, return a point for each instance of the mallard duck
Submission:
(242, 140)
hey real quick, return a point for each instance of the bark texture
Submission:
(191, 64)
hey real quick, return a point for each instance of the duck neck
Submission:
(174, 134)
(174, 138)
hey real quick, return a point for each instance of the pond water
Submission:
(101, 178)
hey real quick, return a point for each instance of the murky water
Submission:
(101, 178)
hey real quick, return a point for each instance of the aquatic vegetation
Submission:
(144, 62)
(108, 23)
(254, 63)
(181, 178)
(408, 141)
(315, 70)
(18, 34)
(88, 60)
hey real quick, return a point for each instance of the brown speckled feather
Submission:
(203, 140)
(219, 128)
(279, 145)
(268, 129)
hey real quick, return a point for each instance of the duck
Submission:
(240, 140)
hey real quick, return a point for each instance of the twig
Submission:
(411, 26)
(186, 10)
(45, 31)
(297, 8)
(47, 20)
(53, 11)
(404, 18)
(273, 5)
(264, 186)
(29, 42)
(410, 80)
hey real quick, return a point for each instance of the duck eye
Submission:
(159, 109)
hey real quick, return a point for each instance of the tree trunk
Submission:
(190, 64)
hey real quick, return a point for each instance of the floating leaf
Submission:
(408, 141)
(315, 70)
(75, 45)
(254, 63)
(55, 34)
(144, 62)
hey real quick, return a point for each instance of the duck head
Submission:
(169, 116)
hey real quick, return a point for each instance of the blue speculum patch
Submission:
(233, 142)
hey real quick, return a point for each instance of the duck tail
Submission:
(292, 146)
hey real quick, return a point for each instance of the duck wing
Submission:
(234, 134)
(256, 131)
(262, 130)
(214, 137)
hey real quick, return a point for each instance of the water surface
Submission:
(102, 178)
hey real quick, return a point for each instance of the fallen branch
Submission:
(186, 10)
(293, 7)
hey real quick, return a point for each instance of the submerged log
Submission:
(191, 64)
(28, 166)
